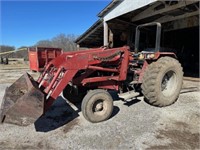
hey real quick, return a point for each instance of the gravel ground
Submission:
(133, 125)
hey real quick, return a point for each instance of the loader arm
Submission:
(63, 69)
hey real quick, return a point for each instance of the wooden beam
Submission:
(166, 18)
(150, 12)
(183, 23)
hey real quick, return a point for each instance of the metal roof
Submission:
(95, 32)
(109, 7)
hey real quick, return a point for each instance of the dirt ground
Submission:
(133, 125)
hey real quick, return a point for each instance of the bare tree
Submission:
(66, 42)
(44, 43)
(5, 48)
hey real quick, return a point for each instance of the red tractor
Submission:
(88, 76)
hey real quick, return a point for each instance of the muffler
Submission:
(23, 102)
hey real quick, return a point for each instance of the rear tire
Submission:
(162, 82)
(97, 106)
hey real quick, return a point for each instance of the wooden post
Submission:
(110, 39)
(105, 41)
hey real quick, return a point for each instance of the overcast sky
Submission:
(23, 23)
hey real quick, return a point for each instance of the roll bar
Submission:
(158, 35)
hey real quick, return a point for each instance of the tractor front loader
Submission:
(88, 75)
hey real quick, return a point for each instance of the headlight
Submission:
(150, 56)
(141, 56)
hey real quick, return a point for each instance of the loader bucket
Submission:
(23, 102)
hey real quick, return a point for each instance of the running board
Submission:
(128, 95)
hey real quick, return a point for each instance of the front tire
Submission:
(97, 106)
(162, 82)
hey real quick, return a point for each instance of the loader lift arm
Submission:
(60, 71)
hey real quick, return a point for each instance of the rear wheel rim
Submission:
(169, 83)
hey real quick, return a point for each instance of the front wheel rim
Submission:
(99, 107)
